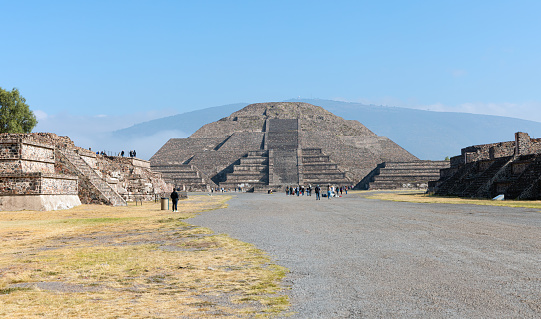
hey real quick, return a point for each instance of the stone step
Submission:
(247, 175)
(311, 151)
(188, 180)
(103, 187)
(315, 158)
(421, 164)
(319, 166)
(260, 153)
(250, 168)
(254, 160)
(173, 168)
(184, 174)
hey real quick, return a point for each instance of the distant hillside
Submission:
(187, 123)
(425, 134)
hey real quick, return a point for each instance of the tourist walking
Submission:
(174, 199)
(329, 191)
(317, 190)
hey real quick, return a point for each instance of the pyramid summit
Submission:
(276, 144)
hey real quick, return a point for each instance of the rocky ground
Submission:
(354, 257)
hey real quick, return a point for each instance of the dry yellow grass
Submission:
(421, 197)
(137, 261)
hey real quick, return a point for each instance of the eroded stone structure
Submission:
(28, 179)
(403, 175)
(510, 168)
(267, 145)
(48, 164)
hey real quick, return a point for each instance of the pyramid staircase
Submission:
(184, 176)
(84, 170)
(477, 182)
(317, 168)
(252, 172)
(452, 185)
(526, 183)
(417, 174)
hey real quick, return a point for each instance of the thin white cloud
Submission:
(40, 115)
(96, 131)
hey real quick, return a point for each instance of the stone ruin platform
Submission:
(403, 175)
(43, 171)
(28, 180)
(511, 168)
(272, 145)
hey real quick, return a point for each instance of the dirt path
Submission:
(353, 257)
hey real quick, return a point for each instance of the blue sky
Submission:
(130, 61)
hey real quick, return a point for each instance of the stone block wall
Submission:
(37, 152)
(511, 168)
(522, 145)
(37, 184)
(487, 151)
(57, 184)
(19, 155)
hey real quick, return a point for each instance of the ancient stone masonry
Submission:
(398, 175)
(28, 179)
(510, 168)
(270, 145)
(74, 162)
(283, 143)
(317, 168)
(92, 178)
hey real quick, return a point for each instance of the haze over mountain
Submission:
(426, 134)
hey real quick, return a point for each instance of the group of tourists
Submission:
(332, 191)
(132, 153)
(224, 190)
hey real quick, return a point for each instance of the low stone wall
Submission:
(522, 145)
(19, 155)
(37, 184)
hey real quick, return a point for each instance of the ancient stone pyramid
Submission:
(276, 144)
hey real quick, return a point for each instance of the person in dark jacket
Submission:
(174, 199)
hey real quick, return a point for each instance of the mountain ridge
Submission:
(426, 134)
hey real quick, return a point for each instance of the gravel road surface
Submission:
(353, 257)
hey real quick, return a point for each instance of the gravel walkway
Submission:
(353, 257)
